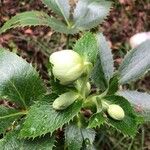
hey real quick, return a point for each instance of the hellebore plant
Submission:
(40, 112)
(68, 67)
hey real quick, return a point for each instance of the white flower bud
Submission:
(67, 66)
(116, 112)
(139, 38)
(65, 100)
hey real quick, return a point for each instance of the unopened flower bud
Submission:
(79, 86)
(65, 100)
(116, 112)
(139, 38)
(67, 66)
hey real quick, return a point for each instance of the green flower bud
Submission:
(67, 66)
(88, 88)
(116, 112)
(79, 84)
(65, 100)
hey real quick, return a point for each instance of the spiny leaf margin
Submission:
(20, 82)
(139, 100)
(42, 119)
(129, 124)
(135, 63)
(11, 142)
(36, 18)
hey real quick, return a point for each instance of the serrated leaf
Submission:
(129, 124)
(96, 10)
(106, 57)
(96, 120)
(11, 142)
(58, 88)
(8, 116)
(49, 97)
(86, 46)
(75, 136)
(90, 13)
(62, 8)
(97, 76)
(113, 85)
(88, 136)
(36, 18)
(141, 102)
(103, 70)
(19, 81)
(135, 63)
(42, 118)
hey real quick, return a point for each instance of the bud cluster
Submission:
(69, 67)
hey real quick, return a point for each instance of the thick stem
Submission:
(83, 87)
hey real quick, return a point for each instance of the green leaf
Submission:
(96, 120)
(19, 81)
(11, 142)
(113, 85)
(49, 97)
(129, 124)
(103, 70)
(62, 8)
(75, 136)
(8, 116)
(58, 88)
(88, 136)
(135, 63)
(36, 18)
(141, 102)
(42, 118)
(96, 10)
(106, 57)
(90, 13)
(86, 46)
(97, 76)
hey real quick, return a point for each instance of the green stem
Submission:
(88, 67)
(117, 144)
(83, 87)
(101, 104)
(102, 95)
(99, 101)
(79, 121)
(105, 104)
(131, 144)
